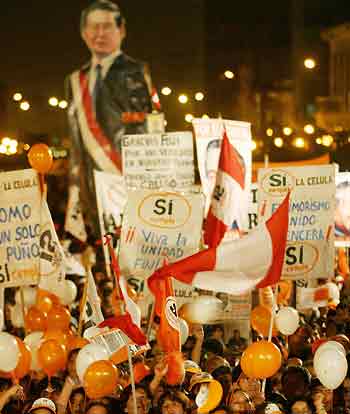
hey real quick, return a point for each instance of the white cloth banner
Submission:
(158, 161)
(74, 223)
(208, 136)
(342, 210)
(310, 243)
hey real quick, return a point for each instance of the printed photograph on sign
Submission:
(342, 210)
(310, 242)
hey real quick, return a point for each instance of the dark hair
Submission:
(98, 403)
(213, 345)
(174, 395)
(302, 373)
(106, 5)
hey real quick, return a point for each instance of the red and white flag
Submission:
(229, 200)
(237, 266)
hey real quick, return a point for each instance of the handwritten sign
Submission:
(310, 241)
(158, 161)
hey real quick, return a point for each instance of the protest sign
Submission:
(158, 161)
(342, 210)
(208, 137)
(310, 241)
(111, 199)
(236, 307)
(20, 208)
(157, 226)
(308, 298)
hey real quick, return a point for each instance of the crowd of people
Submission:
(209, 358)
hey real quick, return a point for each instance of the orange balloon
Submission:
(59, 317)
(58, 335)
(76, 342)
(43, 301)
(100, 379)
(261, 360)
(40, 158)
(260, 319)
(176, 368)
(35, 320)
(23, 364)
(52, 357)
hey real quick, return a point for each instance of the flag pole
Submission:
(132, 379)
(87, 261)
(272, 319)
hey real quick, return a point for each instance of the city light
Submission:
(166, 91)
(327, 140)
(269, 132)
(188, 118)
(254, 145)
(8, 146)
(17, 97)
(319, 141)
(183, 99)
(3, 149)
(310, 63)
(299, 142)
(205, 116)
(53, 101)
(309, 129)
(63, 104)
(278, 142)
(199, 96)
(26, 147)
(287, 131)
(24, 106)
(229, 74)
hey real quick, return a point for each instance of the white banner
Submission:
(308, 298)
(310, 242)
(20, 205)
(159, 226)
(342, 210)
(74, 223)
(208, 136)
(111, 198)
(253, 206)
(158, 161)
(235, 307)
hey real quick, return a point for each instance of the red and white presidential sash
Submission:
(98, 145)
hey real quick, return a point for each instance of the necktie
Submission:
(96, 93)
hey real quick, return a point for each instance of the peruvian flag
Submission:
(237, 266)
(228, 203)
(130, 321)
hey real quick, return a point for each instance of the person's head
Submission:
(77, 401)
(97, 407)
(301, 407)
(213, 347)
(143, 401)
(173, 402)
(240, 402)
(217, 332)
(43, 406)
(321, 396)
(296, 382)
(102, 27)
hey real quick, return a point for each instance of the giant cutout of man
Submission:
(109, 97)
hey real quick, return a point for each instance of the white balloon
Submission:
(287, 320)
(87, 355)
(17, 316)
(333, 345)
(91, 332)
(9, 352)
(29, 296)
(203, 309)
(33, 340)
(184, 330)
(67, 292)
(331, 367)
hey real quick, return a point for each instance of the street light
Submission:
(188, 118)
(205, 116)
(287, 131)
(299, 142)
(309, 129)
(183, 99)
(166, 91)
(17, 97)
(269, 132)
(309, 63)
(199, 96)
(229, 74)
(278, 142)
(327, 140)
(63, 104)
(53, 101)
(24, 106)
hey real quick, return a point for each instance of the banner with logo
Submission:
(111, 198)
(159, 226)
(155, 161)
(208, 136)
(310, 242)
(342, 210)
